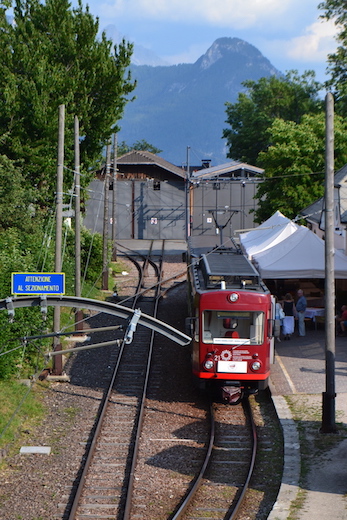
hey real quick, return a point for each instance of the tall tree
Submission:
(52, 55)
(337, 62)
(287, 97)
(294, 164)
(16, 208)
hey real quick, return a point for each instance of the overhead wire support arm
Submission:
(10, 309)
(44, 308)
(132, 326)
(96, 305)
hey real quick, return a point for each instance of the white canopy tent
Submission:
(269, 233)
(300, 255)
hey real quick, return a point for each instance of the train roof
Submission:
(212, 266)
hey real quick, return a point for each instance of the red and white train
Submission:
(231, 321)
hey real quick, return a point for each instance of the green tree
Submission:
(294, 164)
(141, 145)
(288, 97)
(337, 61)
(16, 197)
(50, 56)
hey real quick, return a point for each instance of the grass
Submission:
(21, 409)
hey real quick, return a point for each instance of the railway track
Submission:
(106, 483)
(211, 471)
(220, 486)
(110, 485)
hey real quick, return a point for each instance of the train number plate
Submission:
(232, 367)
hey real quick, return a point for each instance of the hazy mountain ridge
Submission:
(184, 105)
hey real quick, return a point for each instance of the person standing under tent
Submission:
(288, 320)
(301, 305)
(279, 315)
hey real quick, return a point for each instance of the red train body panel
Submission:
(231, 322)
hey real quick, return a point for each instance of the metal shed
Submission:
(150, 198)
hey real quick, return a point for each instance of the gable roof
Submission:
(229, 168)
(140, 157)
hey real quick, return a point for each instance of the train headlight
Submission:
(208, 364)
(256, 365)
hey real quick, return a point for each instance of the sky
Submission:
(287, 32)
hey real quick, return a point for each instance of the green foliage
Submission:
(16, 256)
(337, 62)
(141, 145)
(16, 209)
(289, 98)
(294, 164)
(91, 255)
(20, 358)
(50, 56)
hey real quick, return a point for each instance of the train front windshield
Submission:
(233, 327)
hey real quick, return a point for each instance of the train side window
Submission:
(208, 326)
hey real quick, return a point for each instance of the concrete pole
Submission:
(57, 360)
(78, 313)
(114, 199)
(328, 415)
(106, 220)
(187, 195)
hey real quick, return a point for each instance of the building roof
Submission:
(150, 159)
(313, 211)
(228, 169)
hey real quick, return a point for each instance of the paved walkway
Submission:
(300, 369)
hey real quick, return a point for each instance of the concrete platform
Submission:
(300, 369)
(142, 246)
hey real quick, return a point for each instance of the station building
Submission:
(150, 198)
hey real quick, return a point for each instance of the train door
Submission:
(271, 330)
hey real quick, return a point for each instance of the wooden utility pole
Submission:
(106, 220)
(114, 199)
(187, 195)
(328, 415)
(78, 313)
(57, 360)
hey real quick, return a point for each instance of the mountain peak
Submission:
(185, 104)
(228, 48)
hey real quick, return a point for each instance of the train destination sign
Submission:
(38, 283)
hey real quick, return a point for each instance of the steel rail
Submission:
(100, 420)
(96, 433)
(232, 513)
(198, 479)
(141, 414)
